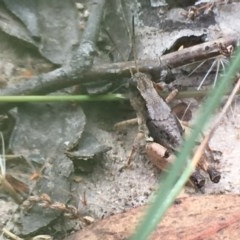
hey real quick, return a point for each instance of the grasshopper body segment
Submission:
(162, 124)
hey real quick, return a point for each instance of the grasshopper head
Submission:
(143, 82)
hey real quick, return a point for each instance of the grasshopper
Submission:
(162, 124)
(156, 119)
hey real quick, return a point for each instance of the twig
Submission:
(202, 146)
(68, 76)
(10, 234)
(80, 61)
(82, 58)
(124, 124)
(15, 237)
(226, 106)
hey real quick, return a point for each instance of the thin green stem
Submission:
(62, 98)
(92, 98)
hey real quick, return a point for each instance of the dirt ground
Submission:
(107, 188)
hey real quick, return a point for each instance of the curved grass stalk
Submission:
(171, 183)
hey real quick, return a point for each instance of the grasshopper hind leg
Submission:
(138, 144)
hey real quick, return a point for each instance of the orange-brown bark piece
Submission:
(192, 218)
(158, 155)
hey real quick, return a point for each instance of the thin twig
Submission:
(204, 143)
(72, 74)
(10, 234)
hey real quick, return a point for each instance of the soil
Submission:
(108, 188)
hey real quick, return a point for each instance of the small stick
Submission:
(139, 141)
(200, 157)
(225, 108)
(124, 124)
(204, 143)
(10, 234)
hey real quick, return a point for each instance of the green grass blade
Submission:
(62, 98)
(172, 183)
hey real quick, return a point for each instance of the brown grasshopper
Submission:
(156, 119)
(163, 126)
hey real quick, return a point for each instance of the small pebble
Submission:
(86, 14)
(79, 6)
(8, 69)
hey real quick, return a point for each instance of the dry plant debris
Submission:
(190, 218)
